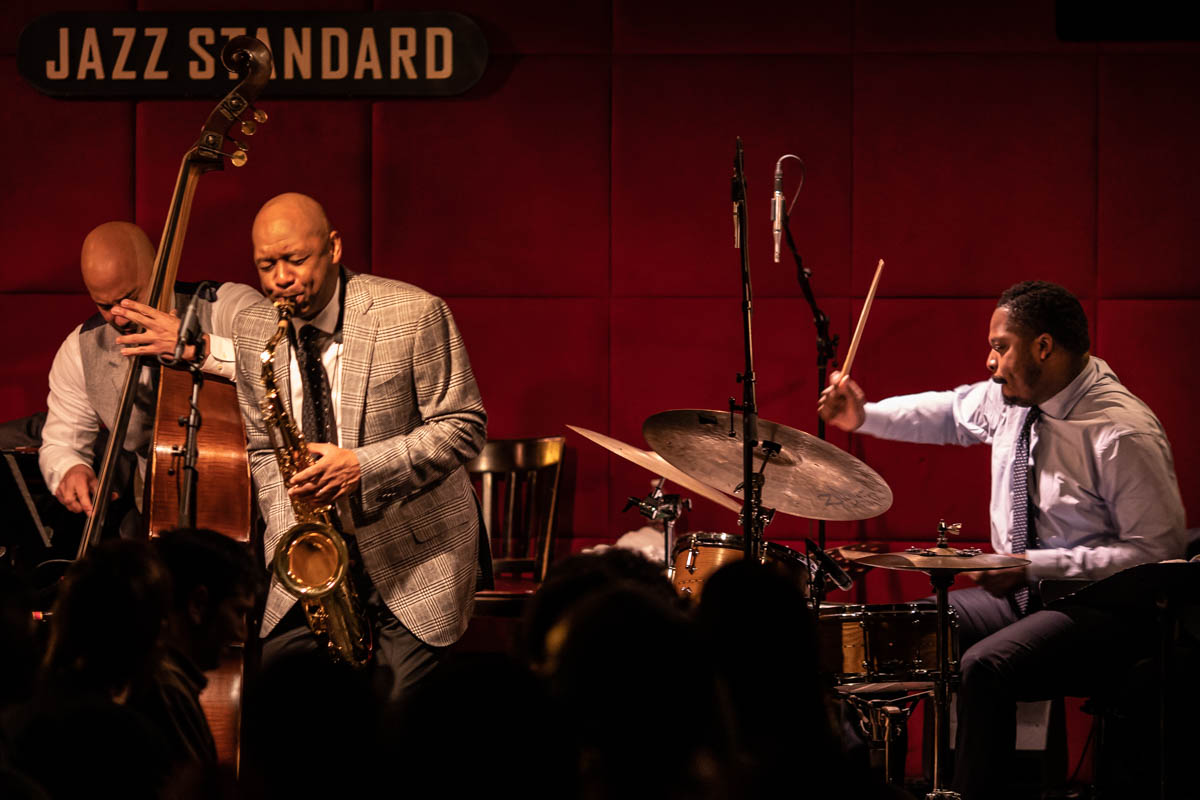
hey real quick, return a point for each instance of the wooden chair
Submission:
(518, 482)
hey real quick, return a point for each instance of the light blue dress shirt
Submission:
(1102, 475)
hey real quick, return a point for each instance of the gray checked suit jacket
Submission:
(411, 412)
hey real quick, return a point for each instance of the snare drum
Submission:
(882, 643)
(696, 556)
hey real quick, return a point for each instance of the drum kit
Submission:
(882, 658)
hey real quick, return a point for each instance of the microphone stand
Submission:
(752, 512)
(826, 352)
(190, 335)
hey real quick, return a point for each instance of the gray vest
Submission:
(104, 370)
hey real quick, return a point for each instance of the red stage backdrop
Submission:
(573, 208)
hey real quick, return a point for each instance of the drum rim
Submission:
(917, 607)
(734, 541)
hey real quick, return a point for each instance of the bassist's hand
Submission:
(160, 334)
(76, 488)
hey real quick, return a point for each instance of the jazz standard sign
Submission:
(141, 55)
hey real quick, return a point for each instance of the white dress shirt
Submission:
(331, 357)
(1102, 475)
(69, 435)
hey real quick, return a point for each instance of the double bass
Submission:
(221, 475)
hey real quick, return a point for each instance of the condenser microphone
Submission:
(833, 571)
(777, 207)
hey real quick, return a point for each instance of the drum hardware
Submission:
(657, 506)
(942, 563)
(883, 712)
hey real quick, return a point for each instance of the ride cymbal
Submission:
(807, 477)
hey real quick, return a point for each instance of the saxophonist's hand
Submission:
(336, 473)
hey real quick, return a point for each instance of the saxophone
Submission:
(311, 561)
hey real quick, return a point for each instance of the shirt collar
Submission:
(1061, 404)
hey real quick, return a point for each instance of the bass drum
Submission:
(696, 556)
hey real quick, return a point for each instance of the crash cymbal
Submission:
(939, 558)
(808, 477)
(648, 459)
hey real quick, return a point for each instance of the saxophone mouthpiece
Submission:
(286, 307)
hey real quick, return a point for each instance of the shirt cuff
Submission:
(63, 464)
(1045, 563)
(221, 359)
(873, 421)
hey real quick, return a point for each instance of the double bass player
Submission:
(116, 262)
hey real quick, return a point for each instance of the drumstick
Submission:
(862, 321)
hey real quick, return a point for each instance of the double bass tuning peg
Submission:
(239, 156)
(250, 126)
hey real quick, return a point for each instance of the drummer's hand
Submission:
(842, 403)
(1000, 582)
(160, 334)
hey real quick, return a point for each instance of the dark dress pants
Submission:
(1073, 650)
(399, 662)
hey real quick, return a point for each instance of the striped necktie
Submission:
(1023, 530)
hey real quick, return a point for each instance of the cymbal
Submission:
(946, 558)
(648, 459)
(807, 478)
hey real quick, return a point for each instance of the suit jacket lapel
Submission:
(358, 344)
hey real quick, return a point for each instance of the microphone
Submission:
(777, 207)
(189, 326)
(835, 572)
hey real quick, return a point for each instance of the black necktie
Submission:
(1023, 529)
(320, 424)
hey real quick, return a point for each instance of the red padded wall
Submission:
(574, 210)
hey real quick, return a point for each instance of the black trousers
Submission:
(1073, 651)
(399, 662)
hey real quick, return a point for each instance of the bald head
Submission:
(116, 262)
(291, 212)
(297, 252)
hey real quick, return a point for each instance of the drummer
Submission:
(1083, 486)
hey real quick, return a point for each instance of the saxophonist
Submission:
(377, 376)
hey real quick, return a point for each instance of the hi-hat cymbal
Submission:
(947, 559)
(648, 459)
(808, 477)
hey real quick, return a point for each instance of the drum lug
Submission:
(690, 565)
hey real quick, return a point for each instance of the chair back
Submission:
(518, 485)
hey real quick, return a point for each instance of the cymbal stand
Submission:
(941, 580)
(752, 527)
(665, 507)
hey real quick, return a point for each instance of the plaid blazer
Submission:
(411, 412)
